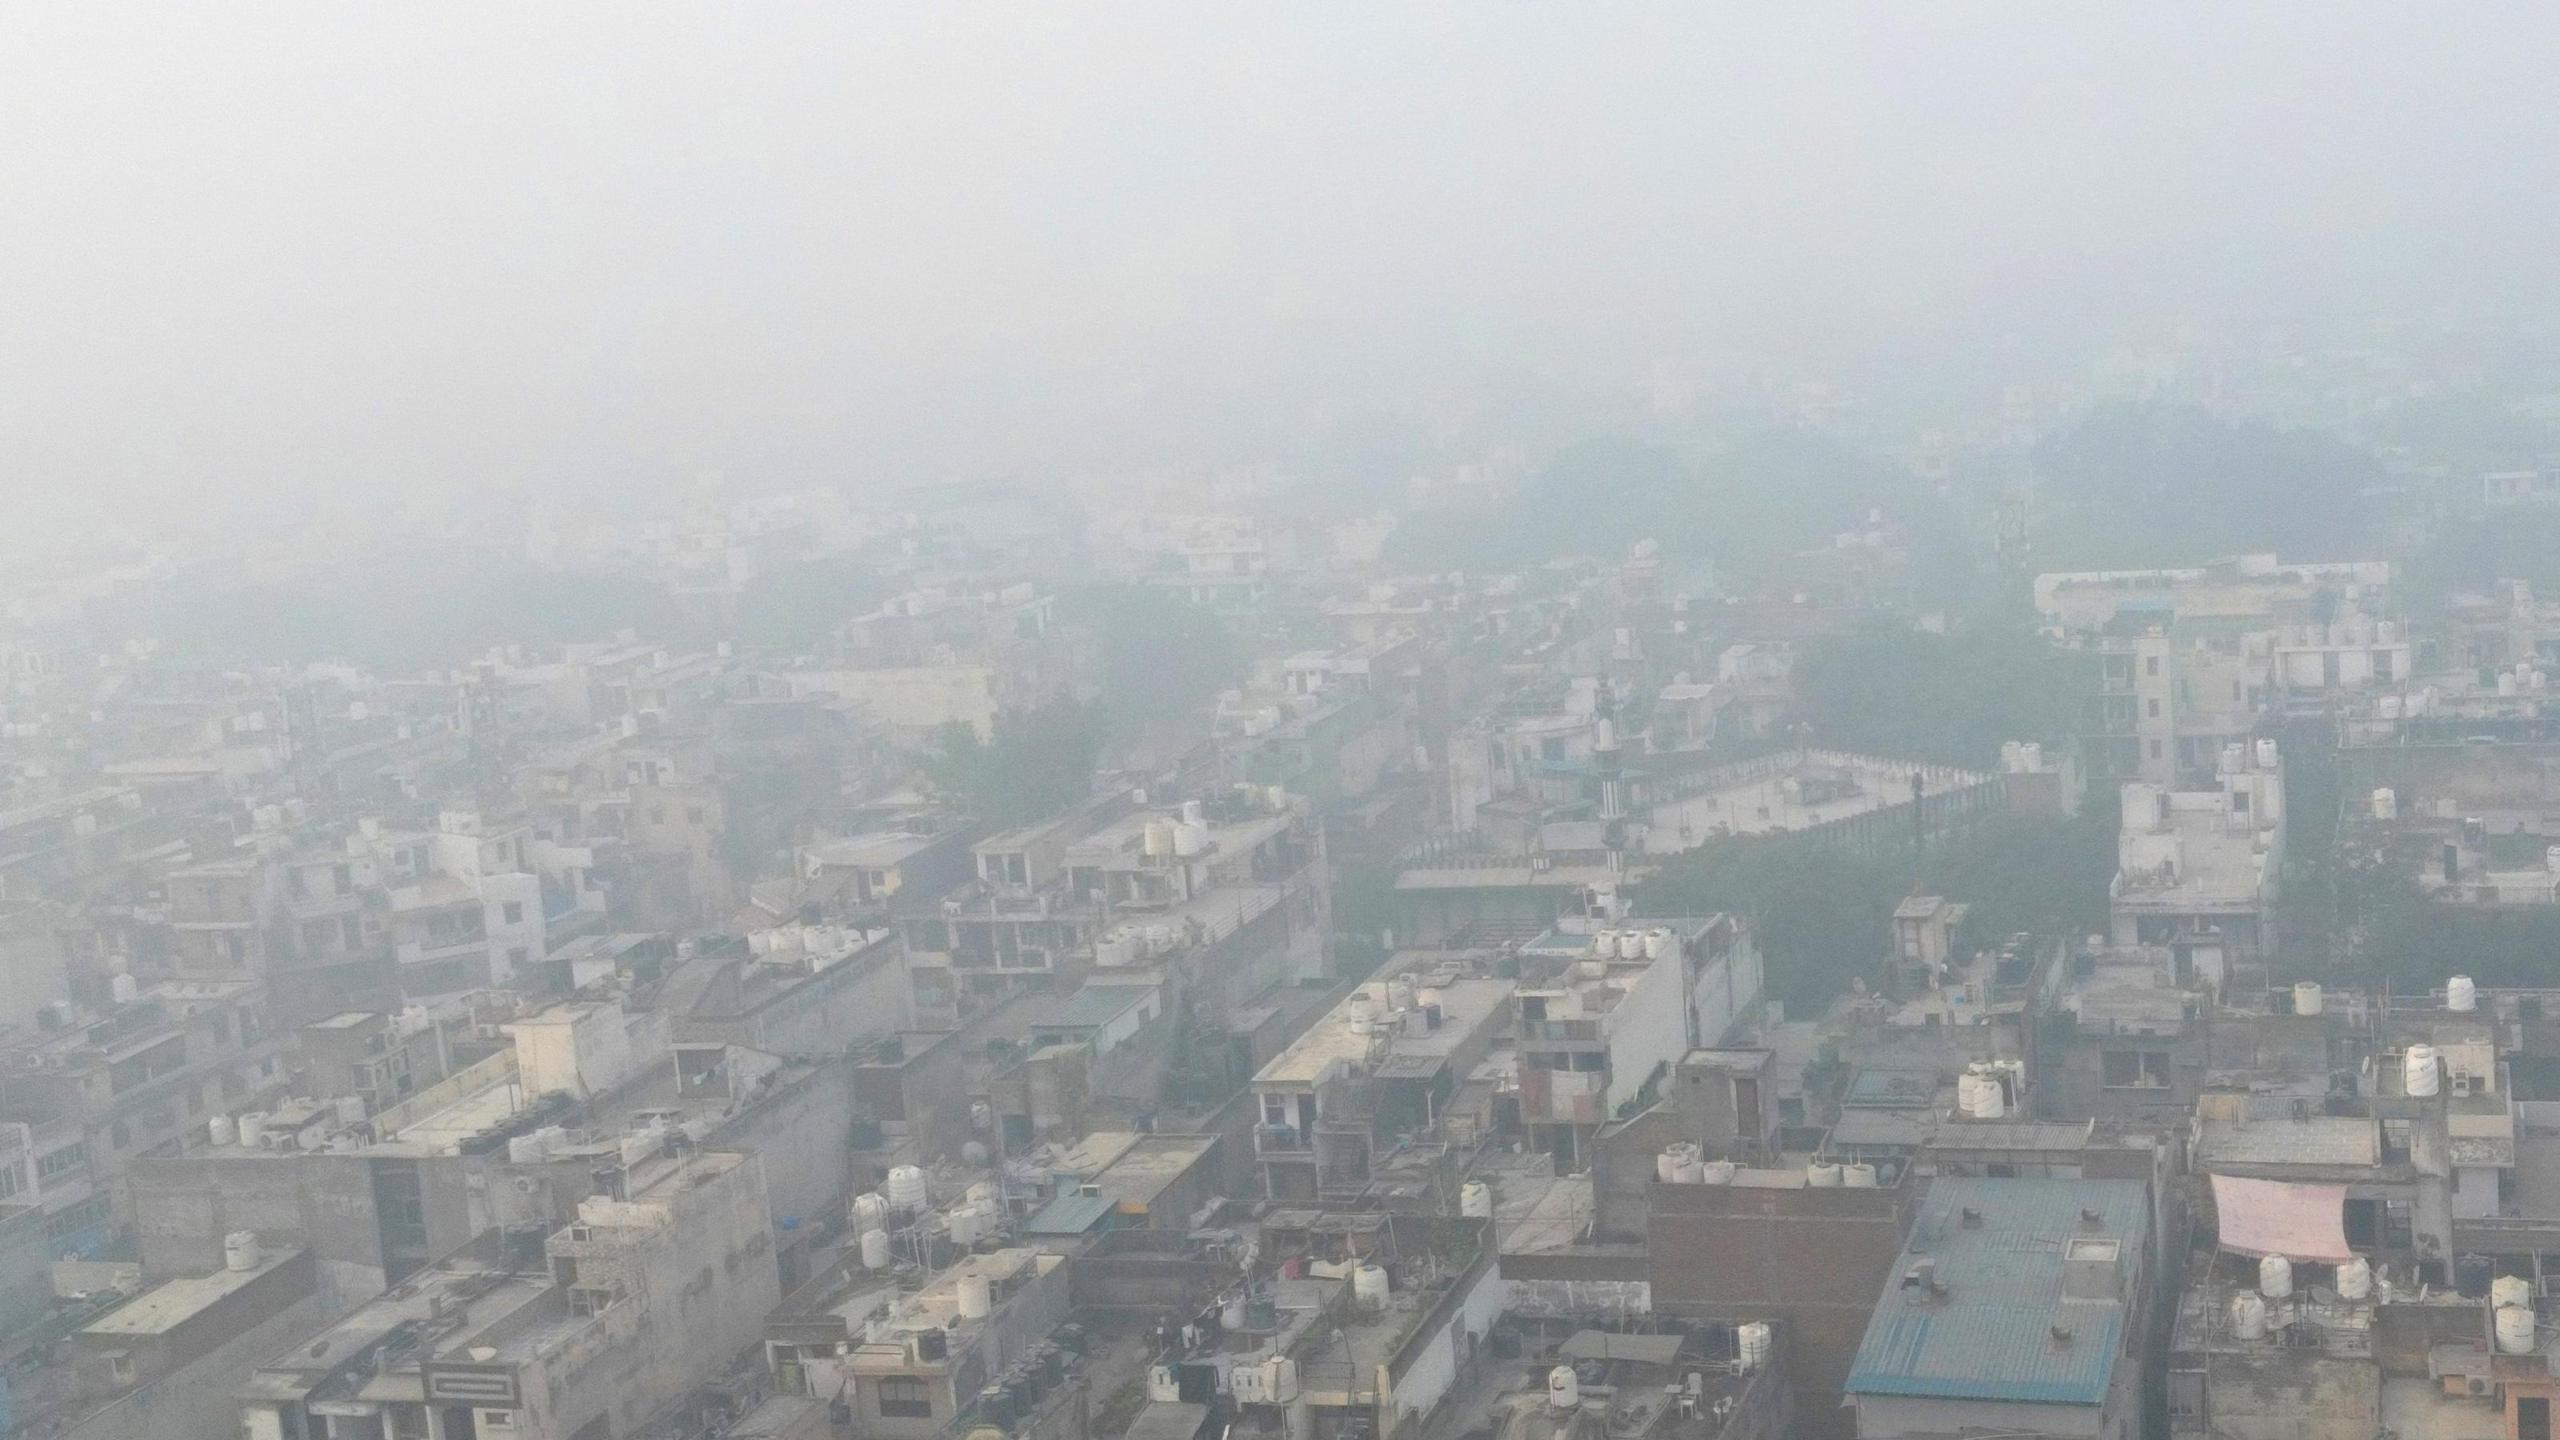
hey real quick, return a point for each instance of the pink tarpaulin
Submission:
(2270, 1217)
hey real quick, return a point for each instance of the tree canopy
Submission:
(1894, 689)
(1822, 914)
(2158, 484)
(1036, 763)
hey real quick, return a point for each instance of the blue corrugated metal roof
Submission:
(1990, 1336)
(1069, 1215)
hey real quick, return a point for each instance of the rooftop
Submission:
(2317, 1140)
(1997, 1325)
(1342, 1040)
(174, 1303)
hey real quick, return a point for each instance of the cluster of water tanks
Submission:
(1989, 1089)
(1683, 1164)
(2021, 757)
(1271, 1380)
(1635, 944)
(1136, 945)
(1176, 839)
(1841, 1175)
(2523, 680)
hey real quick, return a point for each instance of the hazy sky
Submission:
(278, 249)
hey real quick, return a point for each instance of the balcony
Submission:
(1282, 1140)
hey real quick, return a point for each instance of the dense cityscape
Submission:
(1058, 723)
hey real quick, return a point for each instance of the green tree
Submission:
(1036, 763)
(1158, 658)
(1893, 689)
(1822, 913)
(2160, 484)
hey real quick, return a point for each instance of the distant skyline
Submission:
(299, 249)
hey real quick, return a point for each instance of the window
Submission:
(120, 1135)
(693, 814)
(2382, 670)
(57, 1162)
(2155, 749)
(2135, 1069)
(498, 1420)
(2151, 665)
(1275, 1110)
(515, 912)
(905, 1397)
(2152, 707)
(10, 1182)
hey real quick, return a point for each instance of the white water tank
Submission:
(240, 1250)
(907, 1192)
(2355, 1279)
(1666, 1166)
(1823, 1175)
(2515, 1330)
(977, 1297)
(2386, 805)
(221, 1131)
(124, 989)
(1156, 839)
(1190, 838)
(2306, 997)
(2461, 996)
(980, 1192)
(1475, 1199)
(1718, 1172)
(2418, 1071)
(2248, 1317)
(1280, 1379)
(1981, 1097)
(875, 1249)
(2266, 754)
(2511, 1290)
(1369, 1286)
(253, 1128)
(1399, 994)
(1858, 1175)
(1751, 1341)
(965, 1224)
(2275, 1277)
(1692, 1171)
(2506, 683)
(1564, 1388)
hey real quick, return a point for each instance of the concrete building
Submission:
(1370, 1071)
(589, 1332)
(2018, 1306)
(910, 1364)
(1771, 1247)
(2202, 865)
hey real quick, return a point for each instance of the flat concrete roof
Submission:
(174, 1303)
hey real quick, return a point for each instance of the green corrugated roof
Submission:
(1990, 1336)
(1069, 1215)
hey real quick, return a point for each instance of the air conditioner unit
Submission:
(2462, 1085)
(2481, 1385)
